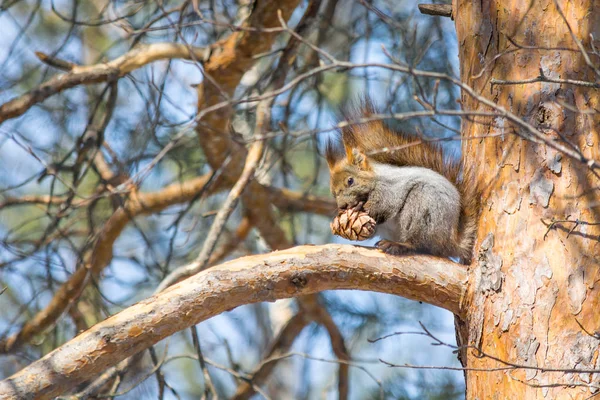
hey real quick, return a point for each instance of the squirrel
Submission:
(422, 201)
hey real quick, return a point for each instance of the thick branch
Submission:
(290, 273)
(146, 203)
(239, 235)
(232, 58)
(85, 75)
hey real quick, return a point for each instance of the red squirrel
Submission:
(421, 200)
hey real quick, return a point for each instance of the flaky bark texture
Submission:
(290, 273)
(535, 291)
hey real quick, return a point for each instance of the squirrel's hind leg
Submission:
(395, 248)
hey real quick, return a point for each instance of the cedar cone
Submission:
(352, 224)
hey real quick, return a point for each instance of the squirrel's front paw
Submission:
(394, 248)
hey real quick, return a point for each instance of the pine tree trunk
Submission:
(537, 300)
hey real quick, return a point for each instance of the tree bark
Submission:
(535, 295)
(295, 272)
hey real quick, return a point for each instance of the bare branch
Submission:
(85, 75)
(339, 349)
(279, 346)
(55, 61)
(442, 10)
(201, 261)
(68, 292)
(310, 310)
(542, 78)
(226, 68)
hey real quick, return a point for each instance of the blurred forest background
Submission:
(70, 163)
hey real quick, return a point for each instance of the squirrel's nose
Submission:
(342, 205)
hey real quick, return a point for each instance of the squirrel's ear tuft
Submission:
(332, 153)
(358, 159)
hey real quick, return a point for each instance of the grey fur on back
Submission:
(424, 210)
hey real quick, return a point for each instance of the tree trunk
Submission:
(535, 294)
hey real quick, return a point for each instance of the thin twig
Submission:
(209, 387)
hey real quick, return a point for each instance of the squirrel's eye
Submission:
(350, 181)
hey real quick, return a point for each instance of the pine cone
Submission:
(353, 225)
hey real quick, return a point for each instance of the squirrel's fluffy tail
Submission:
(470, 192)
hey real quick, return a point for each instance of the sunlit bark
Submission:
(537, 296)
